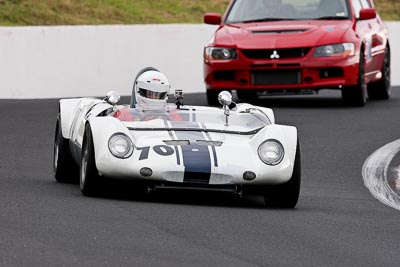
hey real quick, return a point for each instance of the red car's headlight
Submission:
(219, 53)
(335, 50)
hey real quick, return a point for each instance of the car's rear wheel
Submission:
(356, 96)
(286, 195)
(381, 90)
(64, 167)
(247, 95)
(212, 97)
(90, 180)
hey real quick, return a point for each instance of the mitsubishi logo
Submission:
(275, 55)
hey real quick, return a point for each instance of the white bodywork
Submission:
(226, 151)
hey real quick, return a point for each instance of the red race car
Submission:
(265, 47)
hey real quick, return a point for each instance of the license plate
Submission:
(274, 77)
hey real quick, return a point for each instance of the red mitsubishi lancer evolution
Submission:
(266, 47)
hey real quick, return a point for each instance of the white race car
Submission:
(189, 147)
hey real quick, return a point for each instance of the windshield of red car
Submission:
(243, 11)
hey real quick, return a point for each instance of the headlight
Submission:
(271, 152)
(120, 146)
(218, 53)
(335, 50)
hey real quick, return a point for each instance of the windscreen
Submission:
(193, 119)
(270, 10)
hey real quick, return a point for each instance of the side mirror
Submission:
(212, 18)
(225, 98)
(112, 98)
(367, 13)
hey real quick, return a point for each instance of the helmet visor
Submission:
(151, 94)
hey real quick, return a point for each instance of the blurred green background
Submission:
(88, 12)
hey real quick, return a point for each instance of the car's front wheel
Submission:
(90, 180)
(356, 96)
(64, 167)
(381, 90)
(286, 195)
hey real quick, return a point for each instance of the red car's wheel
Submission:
(381, 90)
(356, 96)
(212, 97)
(247, 95)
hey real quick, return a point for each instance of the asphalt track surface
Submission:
(336, 223)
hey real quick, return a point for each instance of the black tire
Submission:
(381, 90)
(90, 181)
(247, 95)
(286, 195)
(356, 96)
(212, 97)
(64, 168)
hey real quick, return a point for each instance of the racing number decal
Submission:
(145, 152)
(161, 150)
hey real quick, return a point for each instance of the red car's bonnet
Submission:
(282, 34)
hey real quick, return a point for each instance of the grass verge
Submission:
(92, 12)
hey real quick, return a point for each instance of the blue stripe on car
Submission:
(196, 158)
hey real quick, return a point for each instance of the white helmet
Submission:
(151, 89)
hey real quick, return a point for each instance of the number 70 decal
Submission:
(161, 150)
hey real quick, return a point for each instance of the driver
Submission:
(271, 4)
(270, 7)
(150, 90)
(149, 98)
(263, 9)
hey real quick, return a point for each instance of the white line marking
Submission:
(374, 173)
